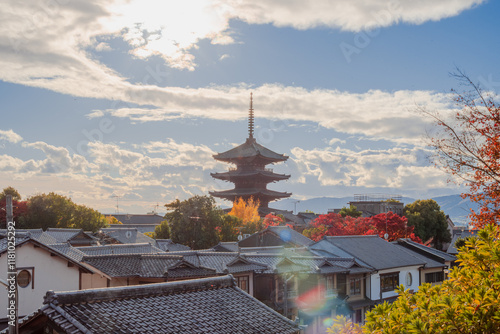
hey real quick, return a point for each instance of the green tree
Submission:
(193, 221)
(429, 221)
(468, 302)
(352, 211)
(162, 231)
(10, 191)
(228, 230)
(53, 210)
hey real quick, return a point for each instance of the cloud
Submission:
(398, 168)
(10, 136)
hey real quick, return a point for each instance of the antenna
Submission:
(117, 207)
(250, 117)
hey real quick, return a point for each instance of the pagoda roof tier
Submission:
(245, 174)
(250, 150)
(246, 192)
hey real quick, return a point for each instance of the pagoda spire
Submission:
(250, 118)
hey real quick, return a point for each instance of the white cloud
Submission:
(10, 136)
(398, 168)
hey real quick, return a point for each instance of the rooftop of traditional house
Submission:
(428, 252)
(371, 250)
(168, 245)
(276, 236)
(125, 235)
(138, 248)
(210, 305)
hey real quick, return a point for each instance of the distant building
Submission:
(374, 204)
(250, 176)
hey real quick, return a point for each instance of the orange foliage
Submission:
(247, 211)
(271, 220)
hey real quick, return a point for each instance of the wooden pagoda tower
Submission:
(250, 175)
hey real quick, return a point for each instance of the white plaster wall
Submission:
(50, 273)
(375, 281)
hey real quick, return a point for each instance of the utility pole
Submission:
(11, 268)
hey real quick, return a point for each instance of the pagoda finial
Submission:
(250, 117)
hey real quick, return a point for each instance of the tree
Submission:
(247, 211)
(272, 220)
(162, 231)
(193, 221)
(467, 145)
(10, 191)
(352, 211)
(53, 210)
(429, 221)
(334, 224)
(468, 302)
(228, 229)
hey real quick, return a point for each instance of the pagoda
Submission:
(250, 175)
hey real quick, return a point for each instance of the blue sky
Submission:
(131, 98)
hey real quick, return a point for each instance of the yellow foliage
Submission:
(247, 211)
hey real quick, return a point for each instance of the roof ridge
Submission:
(135, 291)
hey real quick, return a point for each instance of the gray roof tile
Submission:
(209, 305)
(373, 251)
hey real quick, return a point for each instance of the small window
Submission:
(23, 278)
(355, 286)
(389, 282)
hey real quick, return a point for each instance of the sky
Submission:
(123, 103)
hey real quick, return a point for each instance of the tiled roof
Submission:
(230, 246)
(127, 235)
(65, 234)
(433, 253)
(276, 236)
(132, 265)
(250, 149)
(143, 248)
(168, 245)
(210, 305)
(429, 263)
(69, 251)
(37, 234)
(374, 251)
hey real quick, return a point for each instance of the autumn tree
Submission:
(429, 221)
(193, 222)
(467, 145)
(248, 212)
(272, 220)
(334, 224)
(468, 302)
(352, 211)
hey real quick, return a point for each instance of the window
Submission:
(409, 279)
(389, 282)
(243, 283)
(329, 283)
(23, 278)
(434, 277)
(355, 286)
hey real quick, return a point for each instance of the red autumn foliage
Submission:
(334, 224)
(20, 208)
(467, 146)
